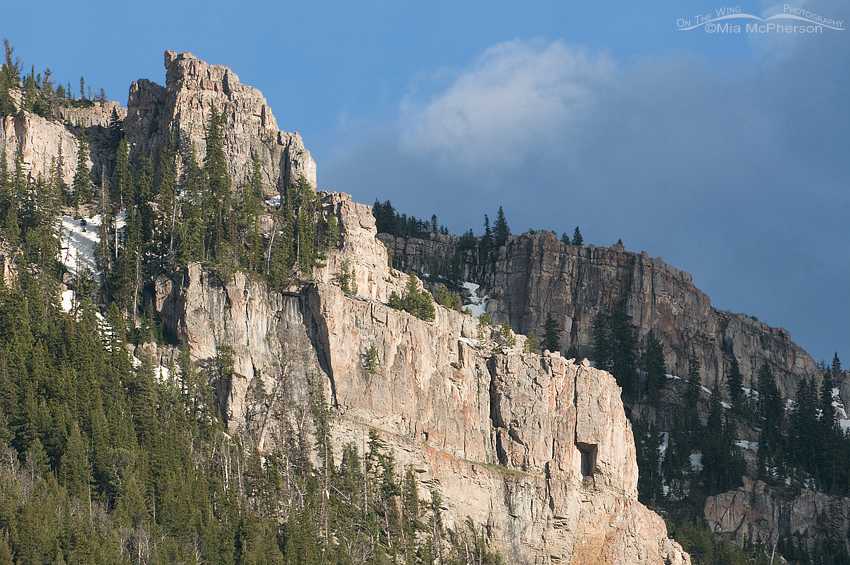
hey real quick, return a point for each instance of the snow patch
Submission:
(161, 373)
(468, 341)
(673, 377)
(477, 304)
(725, 405)
(67, 300)
(744, 444)
(79, 238)
(696, 462)
(274, 201)
(845, 424)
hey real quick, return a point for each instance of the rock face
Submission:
(756, 512)
(193, 88)
(537, 274)
(535, 447)
(41, 140)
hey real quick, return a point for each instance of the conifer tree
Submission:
(123, 191)
(116, 129)
(615, 348)
(487, 238)
(735, 383)
(551, 334)
(501, 230)
(826, 407)
(332, 231)
(771, 411)
(217, 205)
(81, 191)
(577, 238)
(655, 368)
(166, 221)
(144, 204)
(191, 229)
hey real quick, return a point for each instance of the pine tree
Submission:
(144, 204)
(217, 205)
(116, 129)
(123, 190)
(11, 226)
(655, 368)
(735, 384)
(81, 190)
(714, 452)
(551, 334)
(501, 230)
(166, 218)
(190, 246)
(332, 231)
(487, 238)
(771, 411)
(577, 238)
(615, 348)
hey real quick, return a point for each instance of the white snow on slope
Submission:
(67, 300)
(79, 239)
(696, 462)
(744, 444)
(478, 304)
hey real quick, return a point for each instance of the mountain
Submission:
(315, 362)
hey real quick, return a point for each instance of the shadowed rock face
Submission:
(193, 88)
(536, 447)
(534, 275)
(757, 513)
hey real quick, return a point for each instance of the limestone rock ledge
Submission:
(536, 448)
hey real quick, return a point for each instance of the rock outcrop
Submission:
(183, 107)
(756, 513)
(533, 275)
(41, 140)
(535, 447)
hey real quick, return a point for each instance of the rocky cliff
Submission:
(756, 513)
(192, 90)
(536, 274)
(46, 145)
(536, 448)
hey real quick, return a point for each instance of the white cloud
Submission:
(517, 98)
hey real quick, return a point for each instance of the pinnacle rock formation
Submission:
(183, 107)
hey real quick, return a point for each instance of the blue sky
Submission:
(725, 154)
